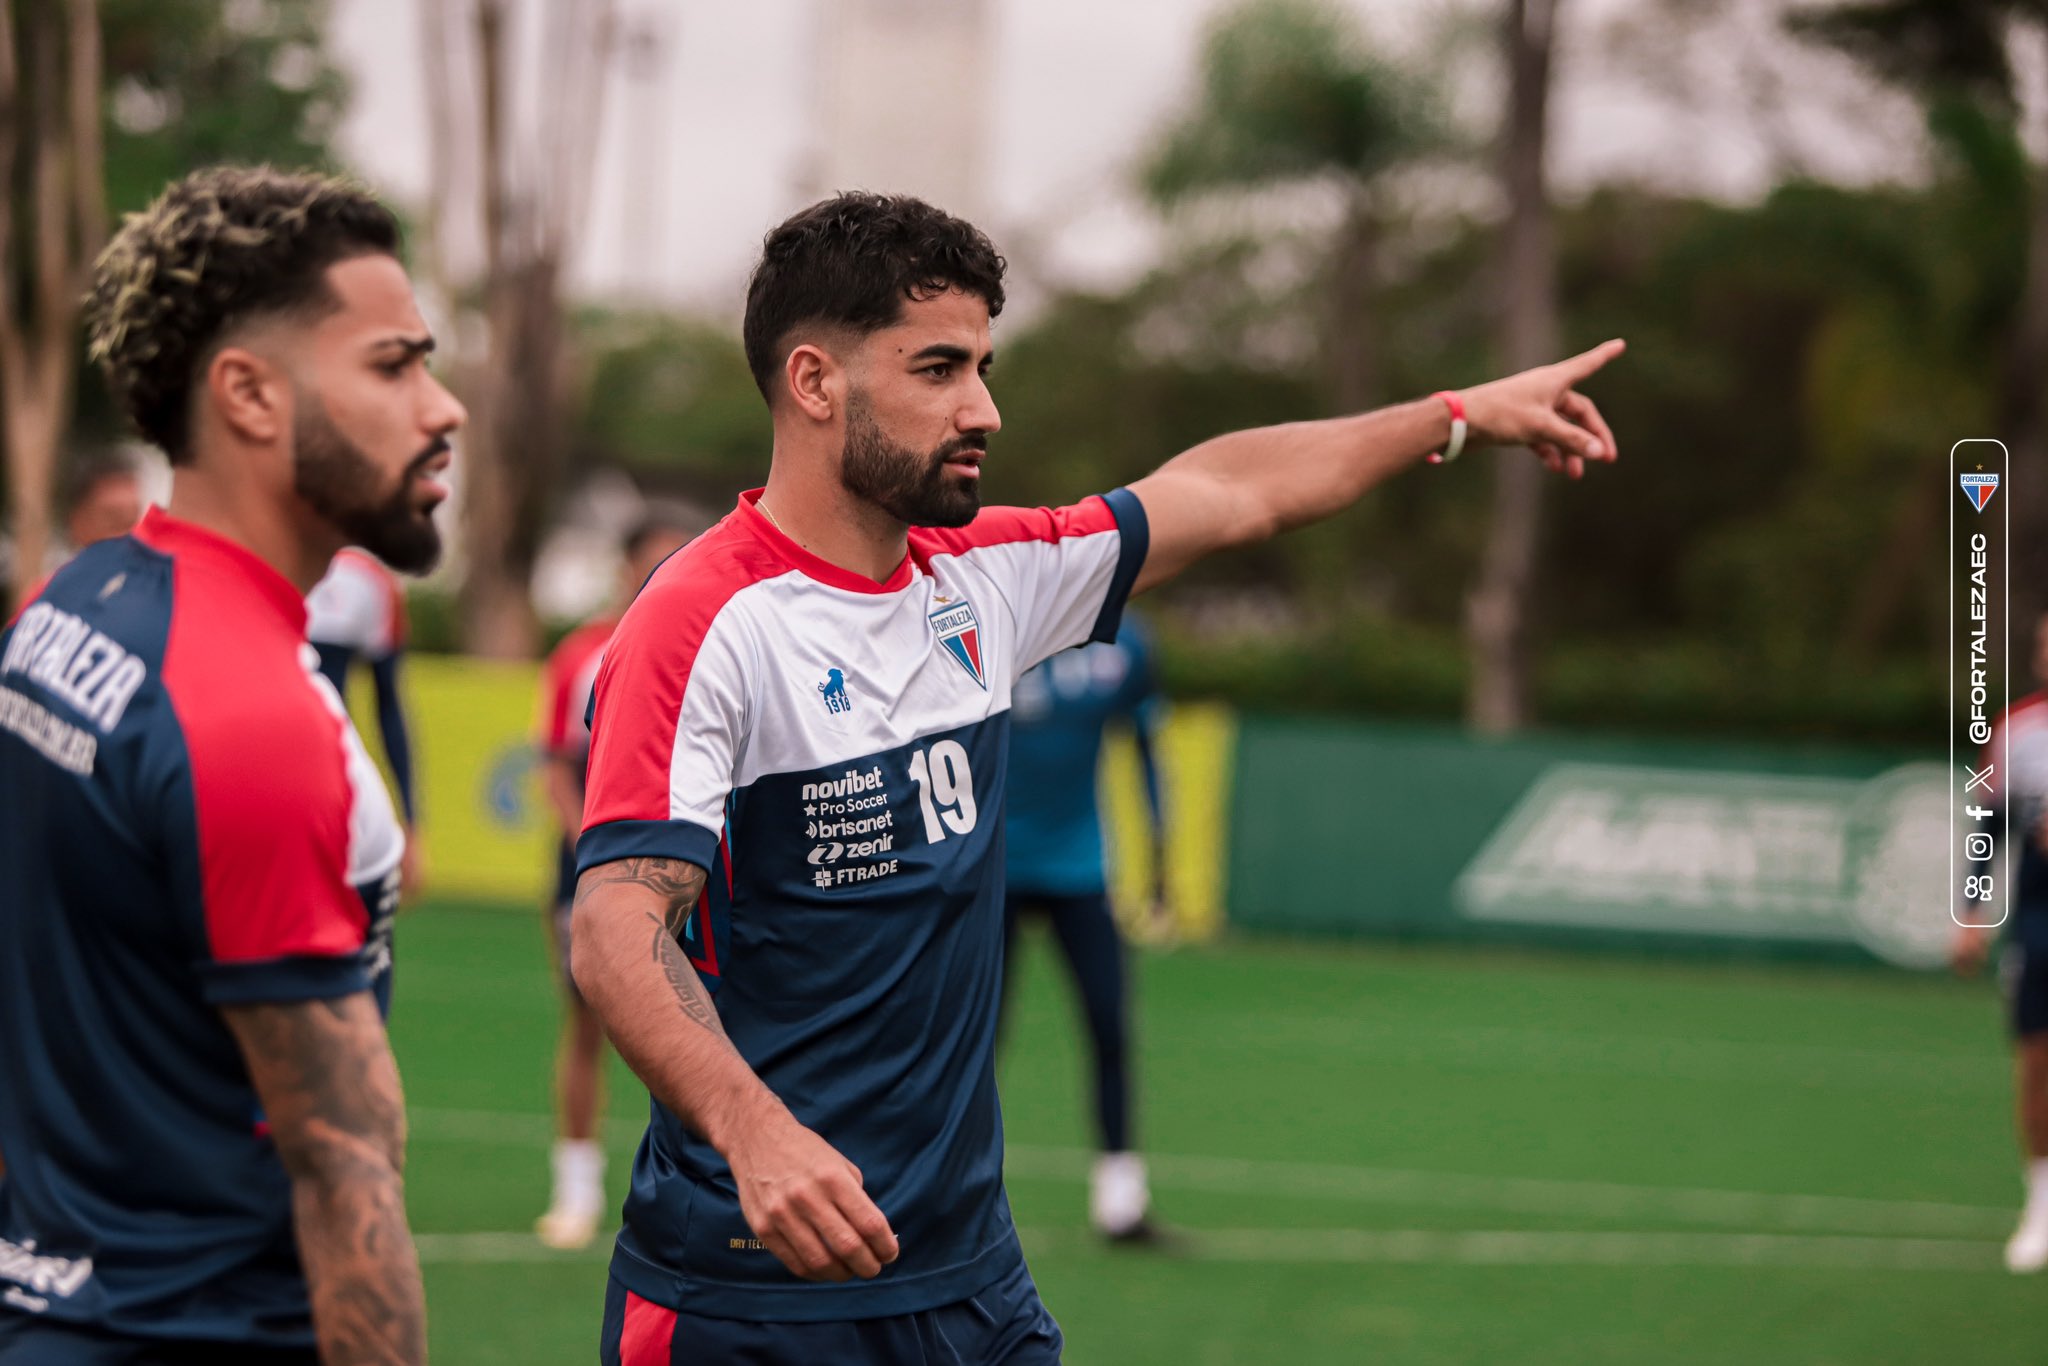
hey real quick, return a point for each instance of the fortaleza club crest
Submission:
(960, 632)
(1978, 488)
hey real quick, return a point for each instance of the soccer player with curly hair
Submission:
(197, 1099)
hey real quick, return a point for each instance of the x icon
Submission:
(1977, 779)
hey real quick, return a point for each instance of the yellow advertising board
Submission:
(486, 833)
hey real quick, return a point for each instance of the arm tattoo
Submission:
(678, 883)
(324, 1073)
(683, 979)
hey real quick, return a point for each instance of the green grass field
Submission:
(1379, 1155)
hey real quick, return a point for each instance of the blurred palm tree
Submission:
(1960, 57)
(1497, 613)
(53, 214)
(1291, 96)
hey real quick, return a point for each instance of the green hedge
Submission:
(1385, 669)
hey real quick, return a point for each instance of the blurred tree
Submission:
(1497, 616)
(1290, 95)
(178, 84)
(193, 82)
(52, 221)
(670, 400)
(528, 197)
(1960, 55)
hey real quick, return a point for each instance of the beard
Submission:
(914, 489)
(341, 483)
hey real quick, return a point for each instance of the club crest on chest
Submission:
(959, 631)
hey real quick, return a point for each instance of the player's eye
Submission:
(942, 370)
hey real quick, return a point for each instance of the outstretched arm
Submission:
(799, 1195)
(329, 1087)
(1251, 485)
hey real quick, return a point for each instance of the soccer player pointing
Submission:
(789, 914)
(197, 1100)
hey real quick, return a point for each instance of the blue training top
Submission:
(1058, 715)
(189, 823)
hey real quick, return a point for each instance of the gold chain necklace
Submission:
(771, 518)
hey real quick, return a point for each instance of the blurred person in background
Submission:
(577, 1203)
(198, 1095)
(789, 899)
(2021, 737)
(356, 613)
(104, 499)
(1055, 865)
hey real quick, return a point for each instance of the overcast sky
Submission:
(695, 166)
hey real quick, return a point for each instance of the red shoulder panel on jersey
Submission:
(269, 772)
(1004, 525)
(647, 666)
(565, 664)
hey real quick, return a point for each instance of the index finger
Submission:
(1591, 362)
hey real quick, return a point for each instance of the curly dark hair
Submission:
(218, 248)
(850, 262)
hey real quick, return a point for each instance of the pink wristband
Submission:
(1457, 443)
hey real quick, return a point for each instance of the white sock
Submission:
(579, 1175)
(2037, 1187)
(1118, 1194)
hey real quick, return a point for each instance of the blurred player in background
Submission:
(2022, 733)
(1055, 867)
(789, 903)
(197, 1094)
(104, 499)
(357, 613)
(577, 1204)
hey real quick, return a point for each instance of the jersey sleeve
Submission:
(1066, 572)
(668, 714)
(556, 724)
(358, 605)
(270, 844)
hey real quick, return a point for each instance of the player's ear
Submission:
(817, 382)
(249, 393)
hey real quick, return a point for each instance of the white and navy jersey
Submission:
(187, 821)
(832, 750)
(358, 607)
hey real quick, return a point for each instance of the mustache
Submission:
(973, 441)
(436, 448)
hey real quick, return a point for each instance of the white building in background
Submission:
(901, 100)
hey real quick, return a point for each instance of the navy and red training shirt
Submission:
(832, 750)
(187, 821)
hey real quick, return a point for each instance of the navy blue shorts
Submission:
(2023, 972)
(26, 1340)
(1004, 1325)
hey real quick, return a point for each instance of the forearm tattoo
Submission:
(678, 884)
(329, 1088)
(683, 979)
